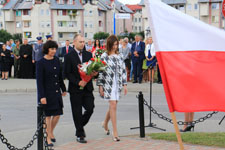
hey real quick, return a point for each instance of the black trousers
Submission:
(159, 75)
(79, 101)
(137, 69)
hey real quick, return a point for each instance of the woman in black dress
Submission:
(5, 62)
(50, 88)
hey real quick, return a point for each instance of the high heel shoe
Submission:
(49, 145)
(53, 140)
(116, 139)
(188, 128)
(107, 132)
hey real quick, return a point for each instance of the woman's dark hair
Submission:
(95, 45)
(49, 44)
(110, 42)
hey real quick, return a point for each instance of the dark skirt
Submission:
(127, 63)
(56, 112)
(5, 66)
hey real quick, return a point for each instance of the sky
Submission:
(130, 1)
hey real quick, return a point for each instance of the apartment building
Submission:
(208, 11)
(60, 18)
(137, 20)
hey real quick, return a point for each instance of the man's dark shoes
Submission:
(81, 140)
(135, 82)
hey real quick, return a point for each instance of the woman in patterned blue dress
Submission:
(111, 81)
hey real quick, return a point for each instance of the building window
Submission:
(100, 23)
(85, 13)
(42, 12)
(85, 24)
(60, 2)
(140, 28)
(47, 12)
(181, 7)
(71, 35)
(60, 12)
(48, 24)
(62, 23)
(64, 12)
(72, 23)
(90, 12)
(18, 24)
(26, 12)
(215, 5)
(215, 19)
(139, 19)
(85, 35)
(1, 25)
(91, 24)
(60, 35)
(135, 28)
(135, 19)
(189, 7)
(70, 2)
(42, 24)
(18, 13)
(27, 24)
(99, 13)
(196, 6)
(27, 34)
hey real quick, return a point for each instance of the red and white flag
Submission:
(191, 57)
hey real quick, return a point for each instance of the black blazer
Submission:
(64, 50)
(6, 58)
(71, 61)
(50, 83)
(140, 49)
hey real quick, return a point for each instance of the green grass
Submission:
(206, 139)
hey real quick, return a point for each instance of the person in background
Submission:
(151, 58)
(16, 53)
(9, 46)
(26, 66)
(49, 37)
(189, 117)
(96, 46)
(137, 56)
(12, 42)
(67, 48)
(5, 62)
(125, 50)
(51, 88)
(37, 53)
(111, 81)
(89, 46)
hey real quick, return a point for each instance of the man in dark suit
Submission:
(67, 48)
(79, 98)
(137, 56)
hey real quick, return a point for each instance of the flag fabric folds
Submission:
(191, 57)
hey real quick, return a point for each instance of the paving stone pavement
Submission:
(130, 143)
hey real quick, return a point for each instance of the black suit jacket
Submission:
(64, 50)
(71, 61)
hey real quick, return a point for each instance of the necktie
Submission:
(67, 49)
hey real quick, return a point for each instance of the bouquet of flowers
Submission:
(86, 69)
(99, 52)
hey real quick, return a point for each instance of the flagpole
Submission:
(179, 139)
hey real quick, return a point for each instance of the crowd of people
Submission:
(125, 62)
(138, 56)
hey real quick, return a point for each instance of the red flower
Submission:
(104, 62)
(92, 59)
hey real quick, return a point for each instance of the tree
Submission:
(101, 35)
(5, 36)
(18, 36)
